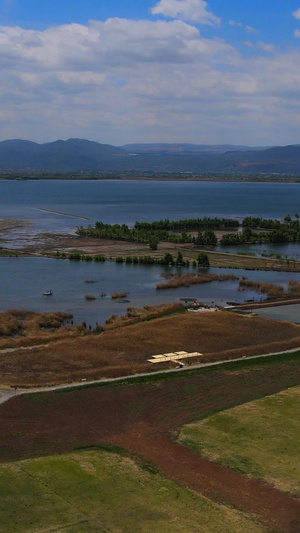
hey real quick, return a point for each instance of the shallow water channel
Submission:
(24, 279)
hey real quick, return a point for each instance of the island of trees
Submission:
(200, 231)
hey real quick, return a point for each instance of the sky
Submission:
(126, 71)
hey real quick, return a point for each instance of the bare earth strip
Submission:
(143, 417)
(216, 482)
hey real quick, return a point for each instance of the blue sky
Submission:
(151, 70)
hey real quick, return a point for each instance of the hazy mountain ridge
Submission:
(75, 155)
(187, 148)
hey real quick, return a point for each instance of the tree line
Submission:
(267, 231)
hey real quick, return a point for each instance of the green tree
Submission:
(179, 259)
(168, 259)
(209, 238)
(202, 260)
(153, 243)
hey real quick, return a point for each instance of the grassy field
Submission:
(91, 491)
(259, 438)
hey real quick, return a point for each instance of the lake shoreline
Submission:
(56, 245)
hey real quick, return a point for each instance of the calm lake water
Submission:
(125, 202)
(23, 280)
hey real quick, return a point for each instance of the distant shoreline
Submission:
(159, 178)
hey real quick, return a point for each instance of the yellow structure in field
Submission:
(174, 357)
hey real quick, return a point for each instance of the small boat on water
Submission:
(47, 293)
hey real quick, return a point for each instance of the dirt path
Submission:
(260, 305)
(216, 482)
(145, 418)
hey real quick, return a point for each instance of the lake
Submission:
(60, 206)
(24, 279)
(124, 202)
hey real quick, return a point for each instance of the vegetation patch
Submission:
(118, 295)
(89, 491)
(27, 326)
(270, 289)
(186, 280)
(259, 438)
(120, 351)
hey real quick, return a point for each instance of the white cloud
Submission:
(122, 80)
(265, 47)
(296, 14)
(297, 34)
(189, 10)
(248, 29)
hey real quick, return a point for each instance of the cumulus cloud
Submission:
(122, 80)
(188, 10)
(296, 14)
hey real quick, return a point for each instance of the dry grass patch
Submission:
(294, 288)
(186, 280)
(272, 290)
(27, 327)
(137, 314)
(125, 350)
(117, 295)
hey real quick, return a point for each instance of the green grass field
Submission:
(260, 438)
(97, 491)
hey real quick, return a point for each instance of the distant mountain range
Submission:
(79, 155)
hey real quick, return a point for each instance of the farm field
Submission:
(259, 438)
(145, 417)
(125, 350)
(94, 490)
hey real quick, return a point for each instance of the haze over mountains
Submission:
(79, 155)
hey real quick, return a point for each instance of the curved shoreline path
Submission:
(6, 393)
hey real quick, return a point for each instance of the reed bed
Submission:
(117, 295)
(27, 327)
(137, 314)
(186, 280)
(294, 288)
(272, 290)
(125, 350)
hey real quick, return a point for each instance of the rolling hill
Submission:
(80, 155)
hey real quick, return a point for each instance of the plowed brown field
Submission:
(144, 418)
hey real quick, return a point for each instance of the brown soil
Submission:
(125, 350)
(143, 417)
